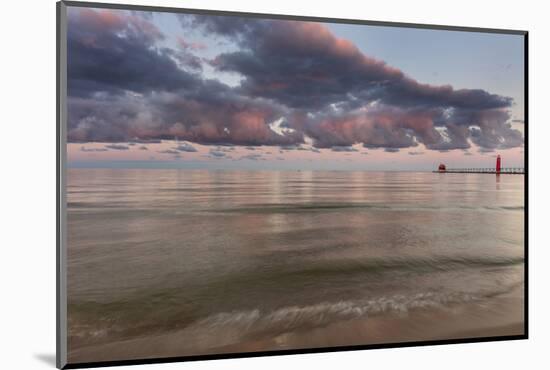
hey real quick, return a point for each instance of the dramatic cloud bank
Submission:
(299, 83)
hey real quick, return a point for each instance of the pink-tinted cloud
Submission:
(124, 84)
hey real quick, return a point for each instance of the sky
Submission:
(162, 90)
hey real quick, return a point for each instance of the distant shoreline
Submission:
(78, 167)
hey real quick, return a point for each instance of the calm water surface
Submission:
(258, 254)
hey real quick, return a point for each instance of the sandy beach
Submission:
(502, 316)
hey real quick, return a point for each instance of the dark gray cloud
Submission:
(225, 26)
(225, 149)
(485, 150)
(343, 149)
(84, 149)
(216, 153)
(114, 52)
(321, 87)
(293, 147)
(321, 72)
(113, 97)
(185, 147)
(304, 65)
(169, 151)
(145, 141)
(252, 157)
(117, 146)
(113, 66)
(493, 131)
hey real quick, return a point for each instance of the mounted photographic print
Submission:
(235, 184)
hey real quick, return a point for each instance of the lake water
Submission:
(213, 261)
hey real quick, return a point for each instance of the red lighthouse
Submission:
(498, 164)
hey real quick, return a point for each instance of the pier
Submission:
(497, 170)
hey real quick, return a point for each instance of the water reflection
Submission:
(154, 250)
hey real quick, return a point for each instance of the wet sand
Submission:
(500, 317)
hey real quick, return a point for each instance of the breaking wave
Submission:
(318, 315)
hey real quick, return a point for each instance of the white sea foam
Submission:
(321, 314)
